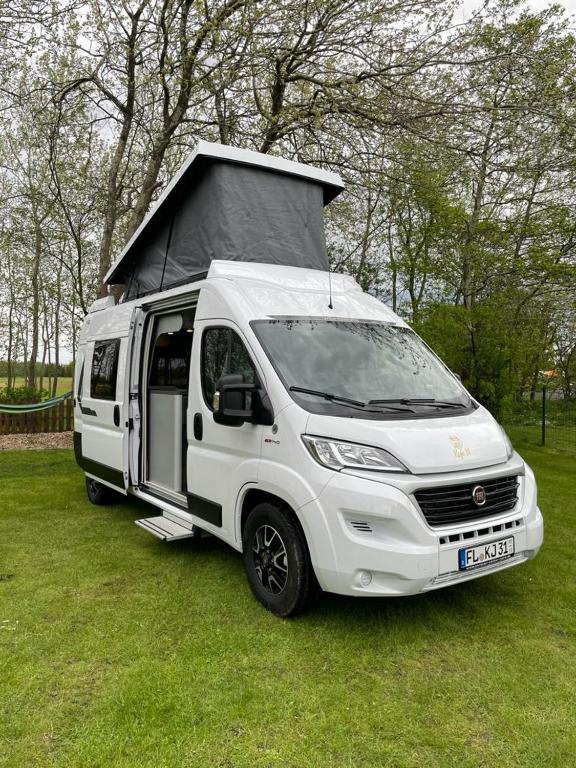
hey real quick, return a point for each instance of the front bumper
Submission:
(370, 538)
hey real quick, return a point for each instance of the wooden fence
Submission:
(60, 418)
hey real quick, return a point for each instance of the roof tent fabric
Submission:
(231, 211)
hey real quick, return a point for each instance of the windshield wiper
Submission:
(419, 401)
(327, 396)
(345, 400)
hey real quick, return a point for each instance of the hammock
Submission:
(33, 407)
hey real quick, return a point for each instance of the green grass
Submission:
(119, 650)
(64, 383)
(558, 438)
(525, 425)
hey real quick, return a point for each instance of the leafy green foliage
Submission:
(22, 395)
(498, 347)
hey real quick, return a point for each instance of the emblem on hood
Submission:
(458, 448)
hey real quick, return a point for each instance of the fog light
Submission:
(365, 578)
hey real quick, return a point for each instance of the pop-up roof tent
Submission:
(232, 204)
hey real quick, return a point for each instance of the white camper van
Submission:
(264, 401)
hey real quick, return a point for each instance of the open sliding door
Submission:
(163, 399)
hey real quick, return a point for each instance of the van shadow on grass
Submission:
(469, 602)
(466, 608)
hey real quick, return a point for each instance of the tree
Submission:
(456, 142)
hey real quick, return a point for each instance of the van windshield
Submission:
(360, 368)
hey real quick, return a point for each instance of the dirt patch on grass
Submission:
(38, 441)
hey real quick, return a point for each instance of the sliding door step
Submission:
(166, 529)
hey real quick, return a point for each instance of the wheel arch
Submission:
(309, 517)
(254, 496)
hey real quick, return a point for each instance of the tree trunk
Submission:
(9, 374)
(35, 325)
(393, 267)
(57, 331)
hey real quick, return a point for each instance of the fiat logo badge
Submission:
(479, 495)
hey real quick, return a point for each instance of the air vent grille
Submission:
(361, 526)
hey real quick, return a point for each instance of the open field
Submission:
(117, 650)
(64, 383)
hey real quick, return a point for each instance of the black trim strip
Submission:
(103, 472)
(205, 509)
(78, 447)
(194, 278)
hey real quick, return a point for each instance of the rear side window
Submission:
(223, 352)
(104, 369)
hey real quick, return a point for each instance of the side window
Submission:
(222, 353)
(104, 369)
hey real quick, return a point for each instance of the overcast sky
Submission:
(537, 5)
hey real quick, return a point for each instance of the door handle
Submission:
(198, 426)
(116, 415)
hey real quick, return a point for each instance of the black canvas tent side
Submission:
(231, 204)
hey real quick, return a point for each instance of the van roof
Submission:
(251, 291)
(255, 291)
(190, 173)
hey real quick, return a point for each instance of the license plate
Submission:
(483, 554)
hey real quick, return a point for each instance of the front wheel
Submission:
(277, 561)
(98, 493)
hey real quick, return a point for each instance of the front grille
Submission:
(454, 503)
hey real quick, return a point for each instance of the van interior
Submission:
(166, 371)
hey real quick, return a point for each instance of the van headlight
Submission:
(337, 455)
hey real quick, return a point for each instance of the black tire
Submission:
(98, 493)
(277, 561)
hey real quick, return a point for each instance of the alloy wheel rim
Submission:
(270, 559)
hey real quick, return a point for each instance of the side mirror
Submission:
(236, 402)
(232, 401)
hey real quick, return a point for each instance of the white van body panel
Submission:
(365, 530)
(425, 446)
(268, 290)
(226, 458)
(112, 322)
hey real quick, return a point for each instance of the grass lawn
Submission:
(558, 437)
(119, 650)
(64, 383)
